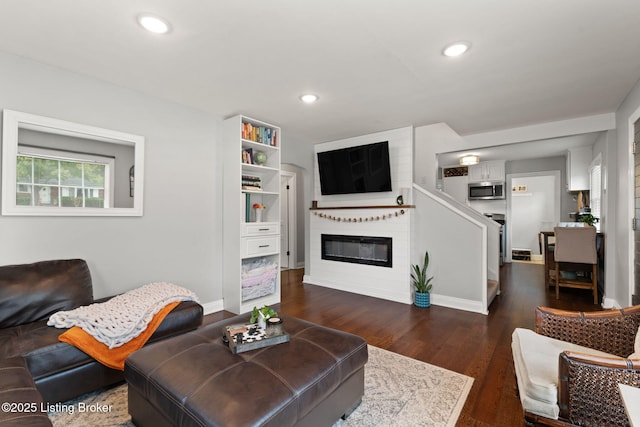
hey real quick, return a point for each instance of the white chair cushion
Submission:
(535, 359)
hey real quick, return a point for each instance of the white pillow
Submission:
(636, 347)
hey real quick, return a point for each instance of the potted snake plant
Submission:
(422, 283)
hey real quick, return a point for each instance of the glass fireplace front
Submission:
(367, 250)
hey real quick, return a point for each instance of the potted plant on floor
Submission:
(422, 283)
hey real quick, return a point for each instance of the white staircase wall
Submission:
(461, 244)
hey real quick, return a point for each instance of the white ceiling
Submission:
(375, 64)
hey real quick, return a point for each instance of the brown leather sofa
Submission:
(29, 294)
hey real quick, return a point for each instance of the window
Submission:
(595, 185)
(55, 178)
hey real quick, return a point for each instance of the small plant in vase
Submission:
(259, 207)
(260, 315)
(587, 218)
(422, 283)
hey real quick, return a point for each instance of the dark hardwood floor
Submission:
(473, 344)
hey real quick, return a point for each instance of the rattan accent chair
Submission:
(587, 384)
(577, 246)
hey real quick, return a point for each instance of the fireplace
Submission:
(357, 249)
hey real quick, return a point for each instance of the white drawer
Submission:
(259, 228)
(255, 246)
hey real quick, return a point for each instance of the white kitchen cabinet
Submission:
(487, 171)
(578, 161)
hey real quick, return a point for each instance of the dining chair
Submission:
(575, 250)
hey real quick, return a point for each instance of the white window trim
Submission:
(15, 120)
(62, 155)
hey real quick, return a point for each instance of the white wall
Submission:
(178, 238)
(429, 141)
(568, 201)
(533, 210)
(619, 241)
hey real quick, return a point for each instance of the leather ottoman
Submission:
(195, 380)
(21, 402)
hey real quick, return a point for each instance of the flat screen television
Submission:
(360, 169)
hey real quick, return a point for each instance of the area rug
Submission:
(398, 391)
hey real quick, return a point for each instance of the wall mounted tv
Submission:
(360, 169)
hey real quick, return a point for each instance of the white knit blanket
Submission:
(123, 317)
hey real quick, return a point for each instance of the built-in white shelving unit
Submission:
(251, 267)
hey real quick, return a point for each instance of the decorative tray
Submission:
(241, 338)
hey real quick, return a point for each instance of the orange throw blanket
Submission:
(115, 357)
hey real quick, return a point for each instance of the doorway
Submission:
(533, 205)
(288, 236)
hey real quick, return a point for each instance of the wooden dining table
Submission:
(549, 260)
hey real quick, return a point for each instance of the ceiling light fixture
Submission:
(469, 160)
(456, 49)
(309, 98)
(153, 23)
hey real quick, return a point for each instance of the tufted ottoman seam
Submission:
(181, 404)
(289, 386)
(338, 361)
(26, 418)
(151, 372)
(7, 368)
(217, 374)
(17, 389)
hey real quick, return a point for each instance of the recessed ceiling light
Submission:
(153, 23)
(309, 98)
(456, 49)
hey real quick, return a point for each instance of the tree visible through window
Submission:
(59, 179)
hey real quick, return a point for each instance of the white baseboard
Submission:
(610, 303)
(440, 300)
(357, 289)
(458, 303)
(213, 306)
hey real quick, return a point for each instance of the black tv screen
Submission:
(360, 169)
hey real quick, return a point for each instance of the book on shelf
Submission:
(250, 182)
(260, 134)
(246, 205)
(247, 156)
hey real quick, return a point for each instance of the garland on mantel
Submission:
(361, 219)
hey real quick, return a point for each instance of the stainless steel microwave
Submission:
(486, 191)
